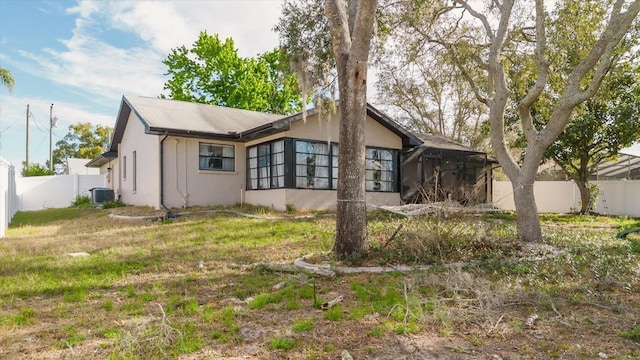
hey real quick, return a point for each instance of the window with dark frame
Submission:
(217, 157)
(381, 169)
(266, 166)
(315, 165)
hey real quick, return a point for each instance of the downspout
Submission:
(169, 215)
(184, 195)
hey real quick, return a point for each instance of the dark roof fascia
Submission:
(408, 139)
(121, 124)
(191, 134)
(271, 128)
(461, 152)
(102, 159)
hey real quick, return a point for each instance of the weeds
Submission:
(633, 334)
(82, 202)
(281, 343)
(149, 291)
(110, 204)
(302, 325)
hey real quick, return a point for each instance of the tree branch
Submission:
(542, 74)
(600, 56)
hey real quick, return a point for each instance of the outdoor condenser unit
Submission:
(100, 195)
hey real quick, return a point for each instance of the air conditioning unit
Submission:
(100, 195)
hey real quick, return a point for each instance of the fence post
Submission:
(76, 186)
(7, 195)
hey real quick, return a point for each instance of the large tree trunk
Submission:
(527, 218)
(585, 196)
(352, 29)
(351, 220)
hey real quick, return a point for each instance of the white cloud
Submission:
(104, 72)
(97, 63)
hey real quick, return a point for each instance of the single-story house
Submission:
(168, 154)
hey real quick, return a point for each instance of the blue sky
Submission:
(82, 56)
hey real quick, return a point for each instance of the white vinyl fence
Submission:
(56, 191)
(617, 197)
(8, 200)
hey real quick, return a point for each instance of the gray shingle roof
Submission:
(168, 114)
(440, 142)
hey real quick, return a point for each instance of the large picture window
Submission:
(266, 166)
(381, 170)
(217, 157)
(309, 164)
(315, 165)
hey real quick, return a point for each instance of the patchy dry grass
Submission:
(152, 290)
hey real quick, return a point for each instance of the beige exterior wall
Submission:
(304, 199)
(109, 171)
(147, 166)
(275, 198)
(323, 130)
(186, 185)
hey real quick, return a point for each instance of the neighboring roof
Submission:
(78, 166)
(625, 165)
(441, 143)
(102, 159)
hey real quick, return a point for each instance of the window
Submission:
(313, 168)
(124, 168)
(135, 171)
(266, 166)
(308, 164)
(380, 171)
(217, 157)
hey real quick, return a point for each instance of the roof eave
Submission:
(408, 139)
(102, 159)
(231, 136)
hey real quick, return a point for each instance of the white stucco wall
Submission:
(275, 198)
(323, 130)
(147, 172)
(186, 185)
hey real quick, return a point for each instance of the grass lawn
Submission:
(152, 290)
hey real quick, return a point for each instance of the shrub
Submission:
(82, 201)
(113, 204)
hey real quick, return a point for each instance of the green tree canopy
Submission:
(211, 72)
(84, 140)
(6, 79)
(604, 124)
(35, 169)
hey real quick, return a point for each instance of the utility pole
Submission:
(50, 133)
(27, 160)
